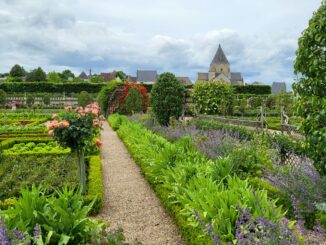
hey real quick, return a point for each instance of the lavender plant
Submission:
(250, 230)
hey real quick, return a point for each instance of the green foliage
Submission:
(252, 89)
(84, 99)
(310, 64)
(32, 148)
(97, 79)
(36, 75)
(53, 77)
(116, 120)
(63, 215)
(66, 74)
(3, 97)
(11, 79)
(20, 129)
(250, 160)
(30, 100)
(46, 99)
(187, 181)
(105, 94)
(95, 184)
(45, 87)
(283, 198)
(133, 102)
(21, 171)
(213, 97)
(17, 71)
(121, 75)
(167, 98)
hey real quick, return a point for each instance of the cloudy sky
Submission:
(259, 37)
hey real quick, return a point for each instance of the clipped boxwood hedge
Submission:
(45, 87)
(95, 184)
(252, 89)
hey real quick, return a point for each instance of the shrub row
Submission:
(252, 89)
(31, 148)
(45, 87)
(8, 143)
(186, 181)
(95, 184)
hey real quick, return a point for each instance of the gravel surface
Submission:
(130, 203)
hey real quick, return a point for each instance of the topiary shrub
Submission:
(46, 100)
(84, 99)
(3, 97)
(133, 102)
(30, 100)
(167, 98)
(213, 97)
(310, 65)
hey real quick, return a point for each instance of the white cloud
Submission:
(259, 38)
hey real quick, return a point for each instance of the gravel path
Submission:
(130, 202)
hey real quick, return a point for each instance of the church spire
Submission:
(220, 57)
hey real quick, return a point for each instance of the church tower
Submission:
(219, 64)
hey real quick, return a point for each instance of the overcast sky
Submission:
(259, 37)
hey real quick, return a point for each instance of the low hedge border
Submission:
(95, 188)
(8, 143)
(194, 235)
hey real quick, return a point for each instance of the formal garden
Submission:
(93, 162)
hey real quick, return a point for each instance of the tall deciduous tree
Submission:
(167, 98)
(17, 71)
(310, 66)
(54, 77)
(66, 74)
(36, 75)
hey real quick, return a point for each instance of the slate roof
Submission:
(146, 76)
(220, 57)
(185, 80)
(83, 75)
(278, 87)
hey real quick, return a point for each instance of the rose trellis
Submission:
(76, 129)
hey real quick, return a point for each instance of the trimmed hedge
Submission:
(95, 184)
(8, 143)
(45, 87)
(252, 89)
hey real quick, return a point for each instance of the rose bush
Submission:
(76, 129)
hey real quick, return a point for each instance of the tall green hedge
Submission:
(252, 89)
(213, 97)
(41, 87)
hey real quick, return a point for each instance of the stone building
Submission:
(220, 70)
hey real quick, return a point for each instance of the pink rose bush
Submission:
(76, 129)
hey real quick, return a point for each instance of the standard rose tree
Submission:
(76, 129)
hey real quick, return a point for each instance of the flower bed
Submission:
(206, 196)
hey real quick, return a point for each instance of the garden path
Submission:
(130, 203)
